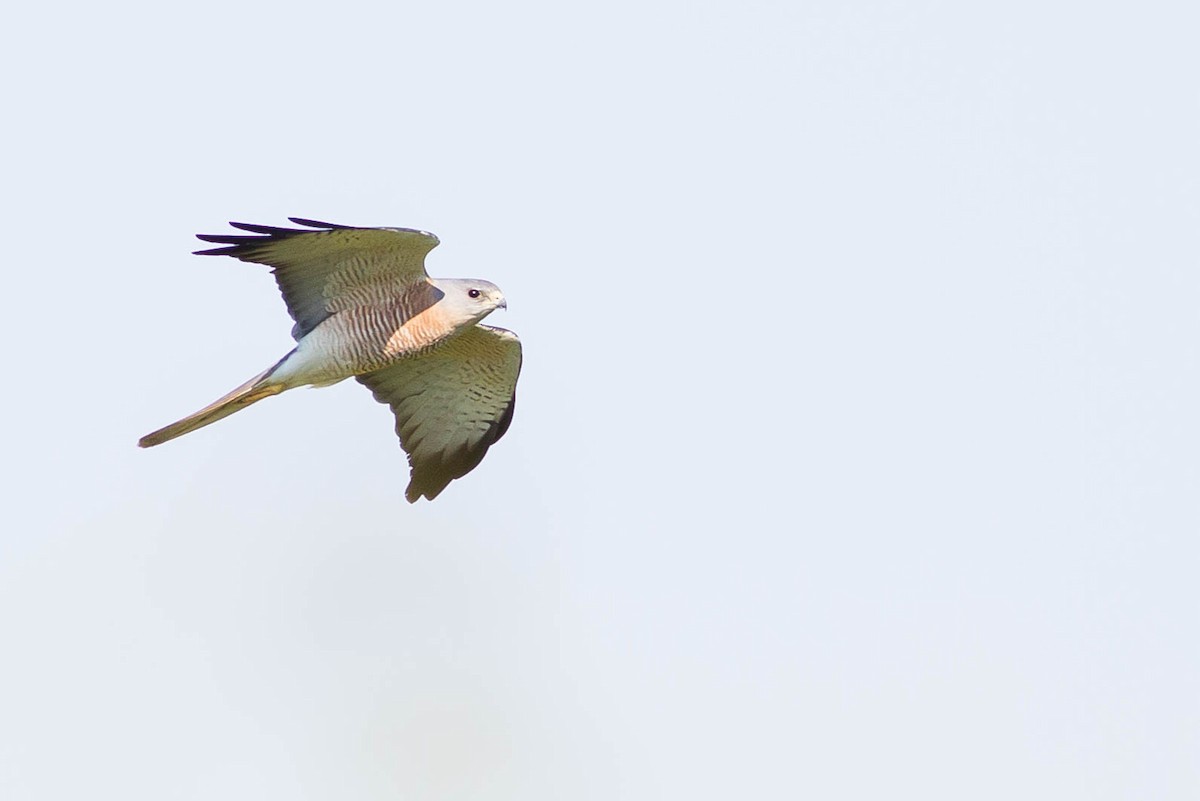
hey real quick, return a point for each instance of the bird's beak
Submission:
(503, 304)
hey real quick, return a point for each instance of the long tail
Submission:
(252, 391)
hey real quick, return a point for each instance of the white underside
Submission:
(317, 361)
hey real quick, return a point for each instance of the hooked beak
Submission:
(503, 304)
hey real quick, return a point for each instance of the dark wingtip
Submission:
(316, 223)
(268, 230)
(430, 488)
(241, 246)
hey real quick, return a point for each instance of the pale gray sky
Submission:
(856, 446)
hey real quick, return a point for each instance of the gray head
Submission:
(468, 300)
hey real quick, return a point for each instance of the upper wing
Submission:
(451, 404)
(321, 271)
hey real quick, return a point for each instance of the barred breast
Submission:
(373, 332)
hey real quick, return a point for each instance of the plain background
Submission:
(856, 446)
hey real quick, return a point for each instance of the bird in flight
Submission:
(365, 307)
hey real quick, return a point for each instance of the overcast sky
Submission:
(856, 446)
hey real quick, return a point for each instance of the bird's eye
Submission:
(472, 293)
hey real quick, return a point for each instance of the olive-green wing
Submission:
(324, 267)
(451, 404)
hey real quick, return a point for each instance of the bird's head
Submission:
(468, 300)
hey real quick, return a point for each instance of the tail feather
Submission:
(252, 391)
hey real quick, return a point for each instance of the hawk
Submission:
(365, 308)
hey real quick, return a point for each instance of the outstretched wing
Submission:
(451, 404)
(330, 267)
